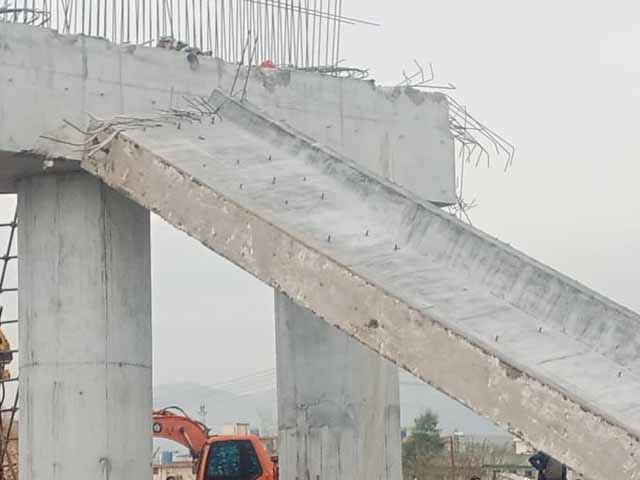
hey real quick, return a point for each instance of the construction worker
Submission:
(548, 467)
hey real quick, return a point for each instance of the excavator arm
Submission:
(174, 424)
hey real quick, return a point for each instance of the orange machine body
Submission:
(217, 457)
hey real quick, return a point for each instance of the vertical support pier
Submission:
(85, 331)
(338, 402)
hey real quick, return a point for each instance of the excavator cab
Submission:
(236, 458)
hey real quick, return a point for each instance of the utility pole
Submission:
(453, 458)
(202, 413)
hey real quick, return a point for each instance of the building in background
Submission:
(236, 429)
(9, 444)
(179, 470)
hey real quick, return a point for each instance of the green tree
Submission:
(422, 446)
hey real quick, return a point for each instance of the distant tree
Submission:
(422, 446)
(472, 456)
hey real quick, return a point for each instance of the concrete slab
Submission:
(45, 77)
(511, 338)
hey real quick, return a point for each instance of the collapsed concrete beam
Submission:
(514, 340)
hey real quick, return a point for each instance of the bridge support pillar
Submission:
(338, 402)
(85, 331)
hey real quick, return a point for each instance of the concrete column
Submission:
(85, 331)
(338, 402)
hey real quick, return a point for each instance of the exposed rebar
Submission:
(294, 33)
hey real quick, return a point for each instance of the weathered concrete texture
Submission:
(512, 339)
(338, 402)
(85, 331)
(398, 133)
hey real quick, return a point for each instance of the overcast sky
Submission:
(561, 80)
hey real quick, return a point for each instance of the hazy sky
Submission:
(561, 80)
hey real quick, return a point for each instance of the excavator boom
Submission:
(219, 457)
(180, 428)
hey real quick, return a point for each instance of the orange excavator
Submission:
(216, 457)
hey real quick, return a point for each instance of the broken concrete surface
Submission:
(399, 133)
(512, 339)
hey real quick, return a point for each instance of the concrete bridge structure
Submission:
(329, 191)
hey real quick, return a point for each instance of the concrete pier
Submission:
(338, 402)
(85, 331)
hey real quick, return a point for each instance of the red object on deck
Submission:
(268, 64)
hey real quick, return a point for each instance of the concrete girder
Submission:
(509, 337)
(399, 133)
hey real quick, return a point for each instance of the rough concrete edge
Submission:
(238, 113)
(236, 110)
(107, 171)
(414, 95)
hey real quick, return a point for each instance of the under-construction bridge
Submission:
(327, 190)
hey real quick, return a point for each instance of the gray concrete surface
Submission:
(401, 134)
(85, 331)
(45, 77)
(338, 402)
(511, 338)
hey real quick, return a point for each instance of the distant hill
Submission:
(222, 407)
(259, 409)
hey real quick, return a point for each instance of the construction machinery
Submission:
(216, 457)
(6, 356)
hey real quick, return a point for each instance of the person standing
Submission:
(548, 467)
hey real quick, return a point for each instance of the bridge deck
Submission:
(514, 340)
